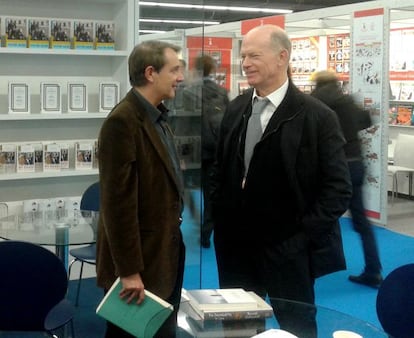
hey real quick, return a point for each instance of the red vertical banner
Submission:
(219, 49)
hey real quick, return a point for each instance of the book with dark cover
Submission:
(142, 320)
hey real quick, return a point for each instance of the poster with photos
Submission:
(305, 57)
(339, 54)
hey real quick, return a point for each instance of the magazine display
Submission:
(51, 157)
(25, 158)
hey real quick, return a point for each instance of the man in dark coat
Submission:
(276, 223)
(352, 119)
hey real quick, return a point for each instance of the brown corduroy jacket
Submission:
(139, 225)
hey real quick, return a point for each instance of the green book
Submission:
(142, 320)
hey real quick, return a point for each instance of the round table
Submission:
(300, 319)
(60, 231)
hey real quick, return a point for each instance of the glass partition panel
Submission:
(210, 41)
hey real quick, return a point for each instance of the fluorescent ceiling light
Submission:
(216, 8)
(151, 31)
(195, 22)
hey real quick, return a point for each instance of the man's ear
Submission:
(149, 73)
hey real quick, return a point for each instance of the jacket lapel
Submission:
(155, 139)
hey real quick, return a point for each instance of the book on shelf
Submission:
(7, 158)
(104, 35)
(82, 34)
(83, 155)
(25, 158)
(61, 32)
(19, 97)
(51, 157)
(50, 97)
(38, 33)
(38, 156)
(64, 155)
(16, 32)
(142, 320)
(248, 305)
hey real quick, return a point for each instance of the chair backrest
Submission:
(90, 198)
(33, 280)
(395, 302)
(403, 151)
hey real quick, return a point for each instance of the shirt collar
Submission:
(275, 97)
(154, 113)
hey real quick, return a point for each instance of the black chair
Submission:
(87, 254)
(395, 302)
(33, 287)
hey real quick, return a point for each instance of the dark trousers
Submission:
(207, 225)
(360, 221)
(169, 328)
(279, 274)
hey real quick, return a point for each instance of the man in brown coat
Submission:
(139, 236)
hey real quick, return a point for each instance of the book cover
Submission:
(51, 157)
(143, 320)
(39, 33)
(60, 36)
(82, 34)
(7, 158)
(16, 32)
(404, 114)
(221, 299)
(38, 159)
(19, 97)
(50, 97)
(64, 156)
(104, 35)
(95, 163)
(25, 158)
(260, 310)
(84, 154)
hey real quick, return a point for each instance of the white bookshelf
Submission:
(33, 66)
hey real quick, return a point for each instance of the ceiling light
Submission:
(151, 31)
(195, 22)
(216, 8)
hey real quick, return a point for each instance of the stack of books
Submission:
(224, 312)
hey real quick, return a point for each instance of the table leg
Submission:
(62, 243)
